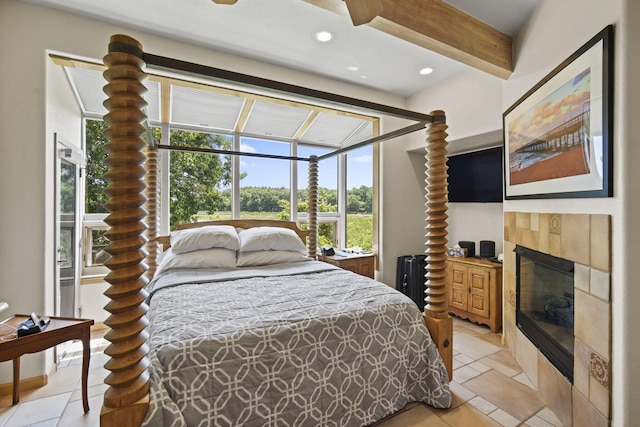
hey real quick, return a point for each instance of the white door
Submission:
(67, 239)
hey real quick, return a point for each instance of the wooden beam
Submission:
(363, 11)
(441, 28)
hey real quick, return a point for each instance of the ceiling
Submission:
(280, 32)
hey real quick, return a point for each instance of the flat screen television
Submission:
(476, 177)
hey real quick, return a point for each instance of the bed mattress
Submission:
(301, 344)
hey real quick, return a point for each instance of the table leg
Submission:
(86, 354)
(16, 380)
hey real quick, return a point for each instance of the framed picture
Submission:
(558, 136)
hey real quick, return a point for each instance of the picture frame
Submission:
(558, 136)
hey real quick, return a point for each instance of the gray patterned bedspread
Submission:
(325, 348)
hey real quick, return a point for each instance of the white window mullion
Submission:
(293, 185)
(342, 201)
(235, 185)
(163, 228)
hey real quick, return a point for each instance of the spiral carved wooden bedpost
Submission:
(312, 240)
(126, 399)
(436, 308)
(151, 179)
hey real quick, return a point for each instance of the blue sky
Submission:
(275, 173)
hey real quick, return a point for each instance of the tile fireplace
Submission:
(583, 240)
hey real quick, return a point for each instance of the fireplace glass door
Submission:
(545, 305)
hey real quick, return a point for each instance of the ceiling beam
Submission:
(441, 28)
(363, 11)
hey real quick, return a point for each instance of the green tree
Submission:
(360, 200)
(96, 168)
(198, 180)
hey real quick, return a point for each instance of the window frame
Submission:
(338, 218)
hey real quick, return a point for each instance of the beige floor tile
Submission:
(492, 338)
(48, 423)
(418, 416)
(524, 379)
(504, 419)
(6, 409)
(479, 366)
(74, 415)
(514, 398)
(464, 360)
(468, 416)
(548, 415)
(28, 413)
(504, 362)
(474, 347)
(536, 421)
(61, 381)
(460, 396)
(482, 405)
(464, 374)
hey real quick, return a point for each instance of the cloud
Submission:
(365, 158)
(246, 148)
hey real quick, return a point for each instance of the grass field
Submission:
(359, 227)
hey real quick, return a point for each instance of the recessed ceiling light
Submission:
(352, 68)
(324, 36)
(426, 71)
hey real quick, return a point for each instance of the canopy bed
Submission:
(133, 250)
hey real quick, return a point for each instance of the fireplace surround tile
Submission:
(543, 233)
(555, 390)
(586, 240)
(592, 320)
(585, 414)
(582, 277)
(600, 284)
(574, 239)
(527, 357)
(581, 367)
(600, 239)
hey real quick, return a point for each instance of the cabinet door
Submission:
(351, 265)
(458, 281)
(365, 267)
(479, 292)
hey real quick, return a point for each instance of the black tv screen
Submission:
(476, 176)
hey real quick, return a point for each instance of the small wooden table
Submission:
(363, 264)
(60, 329)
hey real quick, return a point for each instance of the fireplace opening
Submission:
(545, 305)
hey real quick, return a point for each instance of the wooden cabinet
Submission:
(361, 264)
(475, 290)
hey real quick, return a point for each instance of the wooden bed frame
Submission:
(133, 243)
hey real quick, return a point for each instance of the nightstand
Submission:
(363, 264)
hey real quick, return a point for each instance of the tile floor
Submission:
(489, 389)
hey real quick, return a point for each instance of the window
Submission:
(328, 216)
(200, 183)
(201, 187)
(264, 183)
(360, 198)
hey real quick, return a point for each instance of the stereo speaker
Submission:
(470, 246)
(487, 249)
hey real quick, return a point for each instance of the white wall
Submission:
(543, 44)
(27, 124)
(551, 35)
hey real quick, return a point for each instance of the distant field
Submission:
(359, 226)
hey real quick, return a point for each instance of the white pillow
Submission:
(207, 258)
(210, 236)
(270, 238)
(247, 259)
